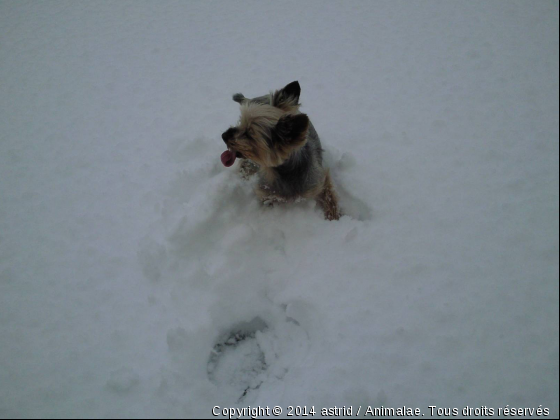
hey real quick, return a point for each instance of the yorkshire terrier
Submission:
(281, 144)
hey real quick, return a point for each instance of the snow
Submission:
(129, 255)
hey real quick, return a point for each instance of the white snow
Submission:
(129, 255)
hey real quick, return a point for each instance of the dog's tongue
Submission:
(228, 158)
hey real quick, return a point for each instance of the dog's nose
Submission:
(227, 135)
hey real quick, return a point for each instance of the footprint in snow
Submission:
(254, 354)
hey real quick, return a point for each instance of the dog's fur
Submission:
(285, 147)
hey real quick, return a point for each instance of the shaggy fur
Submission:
(282, 145)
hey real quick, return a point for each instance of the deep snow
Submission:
(129, 256)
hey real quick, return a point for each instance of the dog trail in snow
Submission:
(252, 353)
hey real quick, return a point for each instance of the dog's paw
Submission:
(247, 169)
(332, 215)
(271, 200)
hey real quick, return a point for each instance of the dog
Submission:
(281, 144)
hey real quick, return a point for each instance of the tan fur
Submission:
(255, 122)
(328, 200)
(259, 117)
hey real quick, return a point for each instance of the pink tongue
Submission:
(228, 158)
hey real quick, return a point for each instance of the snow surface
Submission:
(130, 257)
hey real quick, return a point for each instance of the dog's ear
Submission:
(238, 97)
(291, 131)
(292, 90)
(288, 97)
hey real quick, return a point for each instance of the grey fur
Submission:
(303, 171)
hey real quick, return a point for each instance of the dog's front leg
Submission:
(328, 200)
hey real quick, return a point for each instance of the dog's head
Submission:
(267, 133)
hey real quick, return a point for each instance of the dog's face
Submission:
(267, 133)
